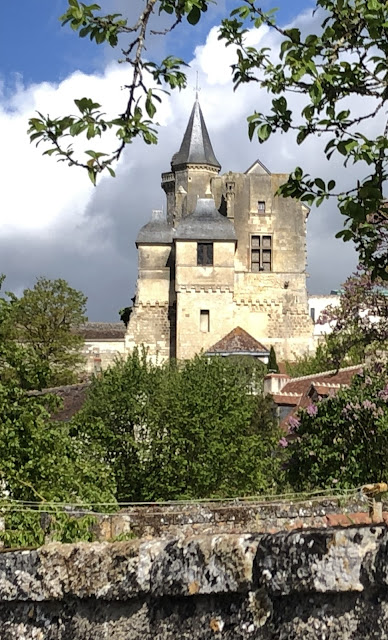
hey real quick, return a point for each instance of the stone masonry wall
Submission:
(169, 520)
(150, 326)
(310, 585)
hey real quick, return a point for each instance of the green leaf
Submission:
(263, 132)
(320, 184)
(149, 105)
(92, 175)
(194, 15)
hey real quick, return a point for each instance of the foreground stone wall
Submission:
(167, 520)
(316, 584)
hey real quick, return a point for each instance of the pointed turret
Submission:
(192, 169)
(196, 147)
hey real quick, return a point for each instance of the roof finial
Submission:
(197, 88)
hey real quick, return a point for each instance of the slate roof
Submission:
(196, 147)
(238, 342)
(101, 331)
(73, 397)
(157, 231)
(205, 223)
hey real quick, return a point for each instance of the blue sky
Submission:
(53, 223)
(34, 44)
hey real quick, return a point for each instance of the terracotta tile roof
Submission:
(328, 379)
(238, 341)
(101, 331)
(291, 399)
(73, 397)
(299, 393)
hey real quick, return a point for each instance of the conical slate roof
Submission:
(205, 223)
(196, 147)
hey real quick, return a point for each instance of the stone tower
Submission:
(192, 169)
(227, 260)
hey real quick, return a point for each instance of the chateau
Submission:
(224, 269)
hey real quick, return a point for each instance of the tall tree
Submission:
(41, 461)
(343, 59)
(272, 365)
(45, 320)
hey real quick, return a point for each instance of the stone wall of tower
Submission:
(203, 289)
(149, 323)
(183, 187)
(270, 305)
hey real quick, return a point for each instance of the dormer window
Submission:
(261, 206)
(205, 254)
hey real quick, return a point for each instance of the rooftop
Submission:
(196, 147)
(73, 397)
(205, 223)
(238, 342)
(157, 231)
(101, 331)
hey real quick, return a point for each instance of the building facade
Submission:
(227, 254)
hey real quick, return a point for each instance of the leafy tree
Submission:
(343, 439)
(360, 321)
(43, 464)
(41, 461)
(115, 414)
(359, 327)
(39, 457)
(18, 363)
(345, 58)
(44, 321)
(194, 430)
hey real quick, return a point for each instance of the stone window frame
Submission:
(261, 253)
(205, 254)
(204, 321)
(261, 207)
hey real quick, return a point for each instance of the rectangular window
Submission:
(312, 314)
(261, 253)
(261, 206)
(205, 254)
(204, 320)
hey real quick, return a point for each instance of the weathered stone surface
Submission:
(315, 585)
(237, 517)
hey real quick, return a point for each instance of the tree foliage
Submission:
(358, 327)
(40, 458)
(342, 441)
(343, 59)
(272, 365)
(360, 321)
(43, 348)
(41, 461)
(190, 431)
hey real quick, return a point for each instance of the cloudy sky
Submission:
(54, 223)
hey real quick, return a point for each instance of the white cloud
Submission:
(53, 222)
